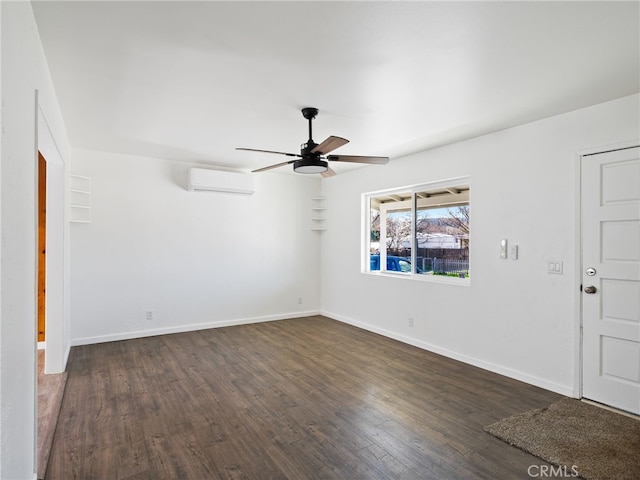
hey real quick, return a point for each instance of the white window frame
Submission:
(451, 183)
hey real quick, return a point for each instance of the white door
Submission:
(611, 278)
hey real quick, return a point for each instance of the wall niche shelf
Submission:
(80, 199)
(318, 214)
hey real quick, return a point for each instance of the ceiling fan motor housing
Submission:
(305, 148)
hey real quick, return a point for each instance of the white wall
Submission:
(514, 318)
(24, 70)
(196, 259)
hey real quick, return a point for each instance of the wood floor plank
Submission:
(306, 398)
(50, 393)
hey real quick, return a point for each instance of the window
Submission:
(420, 231)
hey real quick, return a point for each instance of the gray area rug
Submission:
(598, 443)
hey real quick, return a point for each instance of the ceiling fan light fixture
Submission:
(310, 165)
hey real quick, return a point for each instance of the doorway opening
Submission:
(42, 247)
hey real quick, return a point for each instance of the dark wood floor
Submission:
(296, 399)
(50, 392)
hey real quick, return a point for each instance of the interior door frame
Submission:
(57, 245)
(578, 351)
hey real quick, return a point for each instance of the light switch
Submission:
(555, 266)
(503, 248)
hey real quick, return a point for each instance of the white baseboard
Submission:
(113, 337)
(492, 367)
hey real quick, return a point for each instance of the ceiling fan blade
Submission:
(329, 173)
(268, 151)
(263, 169)
(358, 159)
(329, 145)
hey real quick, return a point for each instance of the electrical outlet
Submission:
(411, 321)
(149, 314)
(299, 300)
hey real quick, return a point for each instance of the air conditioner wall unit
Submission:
(203, 180)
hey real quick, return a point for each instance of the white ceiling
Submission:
(193, 80)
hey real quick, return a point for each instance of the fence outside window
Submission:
(443, 266)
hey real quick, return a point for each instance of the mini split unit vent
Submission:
(203, 180)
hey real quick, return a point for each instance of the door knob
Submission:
(590, 289)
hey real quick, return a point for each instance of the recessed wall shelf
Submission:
(318, 217)
(80, 199)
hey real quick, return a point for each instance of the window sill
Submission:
(464, 282)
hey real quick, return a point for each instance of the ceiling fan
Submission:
(313, 157)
